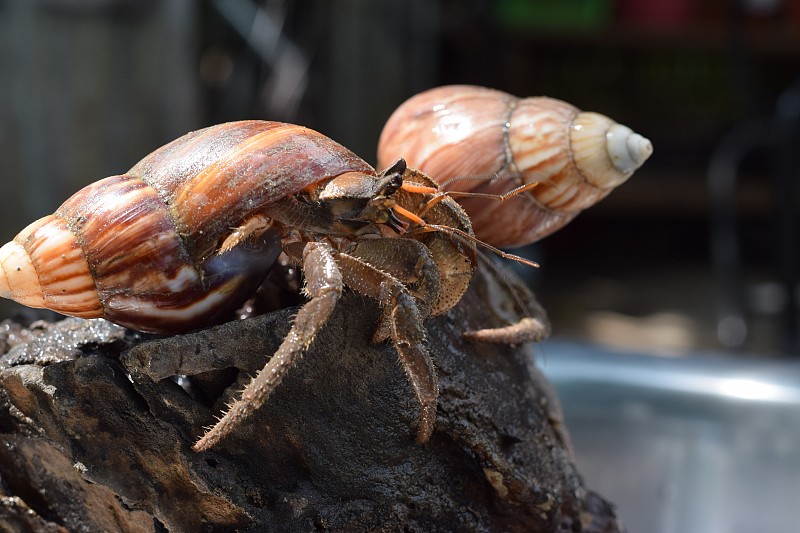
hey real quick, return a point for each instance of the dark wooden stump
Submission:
(96, 432)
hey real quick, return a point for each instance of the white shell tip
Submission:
(627, 150)
(18, 279)
(5, 290)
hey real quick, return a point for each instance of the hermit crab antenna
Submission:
(464, 236)
(499, 197)
(503, 175)
(471, 238)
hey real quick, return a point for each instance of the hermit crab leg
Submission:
(527, 329)
(407, 333)
(324, 285)
(411, 263)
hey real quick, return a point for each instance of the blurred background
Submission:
(689, 269)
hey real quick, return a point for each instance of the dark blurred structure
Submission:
(92, 86)
(774, 138)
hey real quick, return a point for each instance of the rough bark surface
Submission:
(96, 432)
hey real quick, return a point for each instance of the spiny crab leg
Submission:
(407, 333)
(326, 271)
(411, 263)
(324, 285)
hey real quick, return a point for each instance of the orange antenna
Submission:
(455, 232)
(439, 195)
(499, 197)
(502, 175)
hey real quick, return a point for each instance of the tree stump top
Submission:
(97, 424)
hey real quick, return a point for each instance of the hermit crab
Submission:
(487, 141)
(182, 238)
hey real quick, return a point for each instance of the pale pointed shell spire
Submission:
(628, 150)
(606, 153)
(18, 279)
(61, 266)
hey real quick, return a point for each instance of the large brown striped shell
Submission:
(576, 157)
(142, 249)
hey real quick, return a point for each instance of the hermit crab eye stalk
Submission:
(399, 168)
(392, 178)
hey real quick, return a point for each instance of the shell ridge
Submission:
(509, 153)
(37, 246)
(81, 243)
(572, 156)
(539, 204)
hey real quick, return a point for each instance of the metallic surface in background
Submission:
(776, 136)
(705, 444)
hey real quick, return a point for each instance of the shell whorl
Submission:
(576, 157)
(45, 267)
(628, 150)
(606, 152)
(18, 280)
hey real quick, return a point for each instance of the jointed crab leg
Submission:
(407, 333)
(324, 285)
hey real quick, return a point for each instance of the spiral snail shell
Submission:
(577, 158)
(142, 249)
